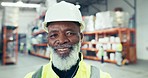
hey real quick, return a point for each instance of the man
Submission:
(118, 54)
(63, 23)
(100, 53)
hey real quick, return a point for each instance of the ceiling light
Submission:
(20, 4)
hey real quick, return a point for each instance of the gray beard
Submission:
(67, 62)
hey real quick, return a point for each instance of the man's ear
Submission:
(81, 35)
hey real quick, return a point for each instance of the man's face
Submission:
(62, 36)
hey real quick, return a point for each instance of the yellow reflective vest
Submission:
(119, 47)
(84, 71)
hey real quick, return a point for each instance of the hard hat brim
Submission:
(44, 25)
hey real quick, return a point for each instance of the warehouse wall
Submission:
(142, 22)
(0, 19)
(142, 29)
(26, 17)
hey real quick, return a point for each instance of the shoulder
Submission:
(29, 75)
(36, 74)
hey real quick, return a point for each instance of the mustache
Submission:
(63, 46)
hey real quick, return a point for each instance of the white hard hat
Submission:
(63, 11)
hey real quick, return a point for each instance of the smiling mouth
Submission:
(63, 52)
(64, 49)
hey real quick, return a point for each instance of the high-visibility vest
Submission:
(84, 71)
(119, 47)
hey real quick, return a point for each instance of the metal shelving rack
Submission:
(129, 47)
(39, 45)
(10, 44)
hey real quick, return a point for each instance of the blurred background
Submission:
(117, 27)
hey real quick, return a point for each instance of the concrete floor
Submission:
(27, 63)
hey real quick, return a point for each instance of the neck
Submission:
(67, 73)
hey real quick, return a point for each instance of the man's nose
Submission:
(63, 39)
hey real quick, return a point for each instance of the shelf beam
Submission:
(98, 59)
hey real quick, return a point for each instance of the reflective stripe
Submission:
(38, 74)
(95, 72)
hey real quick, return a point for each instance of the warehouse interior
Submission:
(24, 42)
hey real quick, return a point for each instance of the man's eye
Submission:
(70, 33)
(53, 36)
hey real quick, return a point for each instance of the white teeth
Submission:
(63, 49)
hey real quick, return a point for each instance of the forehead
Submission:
(63, 25)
